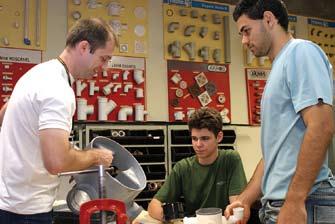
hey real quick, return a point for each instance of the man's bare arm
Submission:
(59, 157)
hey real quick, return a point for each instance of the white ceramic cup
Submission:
(209, 215)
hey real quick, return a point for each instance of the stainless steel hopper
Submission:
(123, 182)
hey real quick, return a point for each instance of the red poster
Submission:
(255, 80)
(13, 64)
(116, 93)
(193, 85)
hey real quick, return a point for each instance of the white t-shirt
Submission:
(41, 99)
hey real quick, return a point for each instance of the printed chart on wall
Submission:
(255, 80)
(129, 20)
(193, 85)
(322, 32)
(13, 64)
(196, 31)
(117, 93)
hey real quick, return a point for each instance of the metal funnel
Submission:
(124, 184)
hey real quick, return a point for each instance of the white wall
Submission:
(157, 98)
(56, 28)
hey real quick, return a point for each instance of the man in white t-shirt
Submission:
(37, 121)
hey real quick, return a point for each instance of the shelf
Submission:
(153, 172)
(148, 154)
(143, 146)
(153, 163)
(179, 137)
(125, 136)
(143, 199)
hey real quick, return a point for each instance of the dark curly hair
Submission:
(95, 31)
(255, 9)
(208, 118)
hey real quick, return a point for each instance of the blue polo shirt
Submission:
(301, 76)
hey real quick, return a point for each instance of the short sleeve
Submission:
(309, 76)
(56, 110)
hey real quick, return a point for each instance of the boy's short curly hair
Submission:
(208, 118)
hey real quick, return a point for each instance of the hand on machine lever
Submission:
(103, 157)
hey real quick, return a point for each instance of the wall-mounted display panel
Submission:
(23, 24)
(194, 85)
(129, 20)
(116, 93)
(195, 31)
(255, 80)
(13, 64)
(322, 32)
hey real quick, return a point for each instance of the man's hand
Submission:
(237, 203)
(292, 212)
(250, 194)
(155, 209)
(104, 157)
